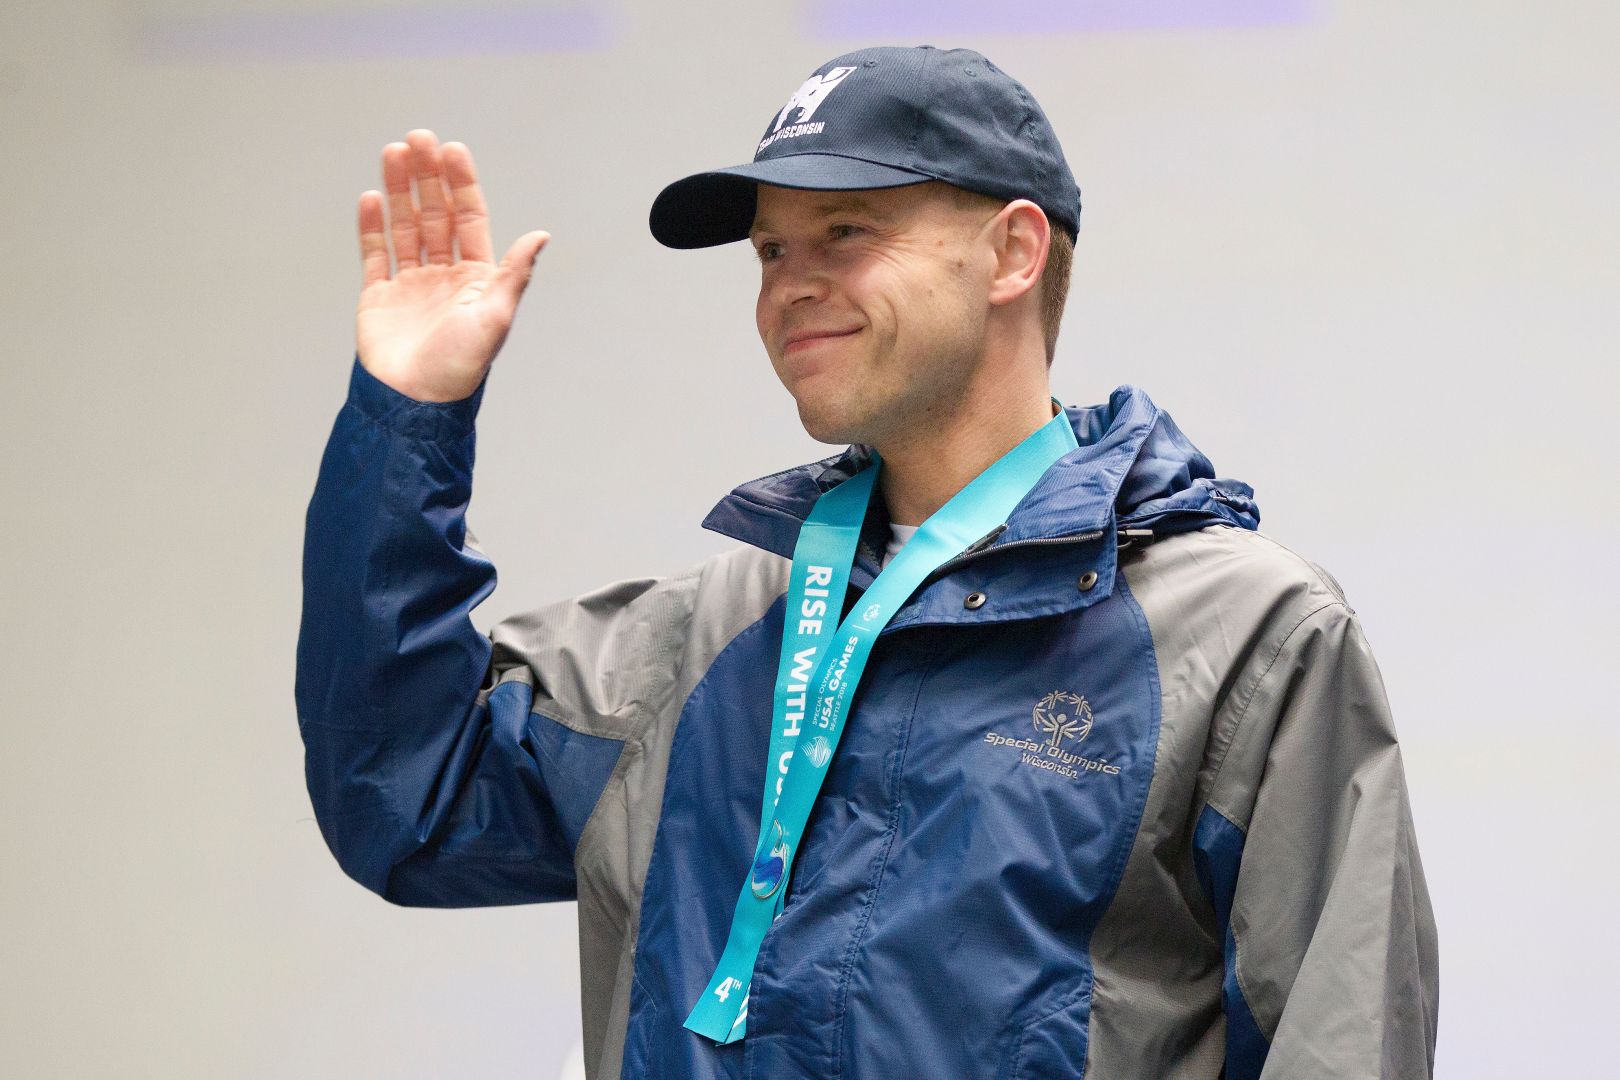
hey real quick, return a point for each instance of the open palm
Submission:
(431, 328)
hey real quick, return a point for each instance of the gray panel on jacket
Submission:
(1215, 599)
(620, 662)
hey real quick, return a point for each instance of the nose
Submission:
(798, 276)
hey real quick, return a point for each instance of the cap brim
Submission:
(717, 207)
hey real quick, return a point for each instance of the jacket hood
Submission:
(1133, 469)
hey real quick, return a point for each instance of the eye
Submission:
(836, 230)
(765, 252)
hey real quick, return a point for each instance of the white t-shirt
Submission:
(898, 535)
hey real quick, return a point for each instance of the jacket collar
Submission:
(1133, 468)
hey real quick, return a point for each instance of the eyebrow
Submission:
(834, 206)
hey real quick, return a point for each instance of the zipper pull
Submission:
(1139, 537)
(984, 541)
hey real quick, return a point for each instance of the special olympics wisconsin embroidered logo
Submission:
(1062, 715)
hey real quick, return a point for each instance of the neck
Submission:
(925, 467)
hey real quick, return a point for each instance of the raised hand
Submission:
(432, 328)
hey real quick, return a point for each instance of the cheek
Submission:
(951, 297)
(913, 295)
(762, 316)
(875, 294)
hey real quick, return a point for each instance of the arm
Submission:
(1307, 850)
(443, 771)
(446, 768)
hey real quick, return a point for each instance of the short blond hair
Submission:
(1054, 279)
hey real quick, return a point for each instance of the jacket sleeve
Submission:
(447, 768)
(1307, 850)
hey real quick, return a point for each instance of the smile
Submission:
(808, 341)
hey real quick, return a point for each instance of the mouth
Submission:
(799, 343)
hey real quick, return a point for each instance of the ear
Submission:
(1021, 236)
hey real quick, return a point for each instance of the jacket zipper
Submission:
(982, 546)
(970, 554)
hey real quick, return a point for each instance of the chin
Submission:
(825, 425)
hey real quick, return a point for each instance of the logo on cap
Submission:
(807, 99)
(811, 94)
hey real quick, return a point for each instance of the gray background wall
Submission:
(1363, 253)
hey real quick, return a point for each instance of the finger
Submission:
(517, 266)
(373, 244)
(433, 215)
(471, 216)
(401, 210)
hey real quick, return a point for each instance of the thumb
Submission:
(517, 265)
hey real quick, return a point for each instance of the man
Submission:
(1095, 778)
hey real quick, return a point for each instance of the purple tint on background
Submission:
(869, 18)
(375, 32)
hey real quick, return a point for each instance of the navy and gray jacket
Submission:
(1140, 813)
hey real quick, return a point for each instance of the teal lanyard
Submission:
(816, 683)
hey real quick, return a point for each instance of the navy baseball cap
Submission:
(885, 117)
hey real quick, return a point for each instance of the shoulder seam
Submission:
(1254, 687)
(1315, 570)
